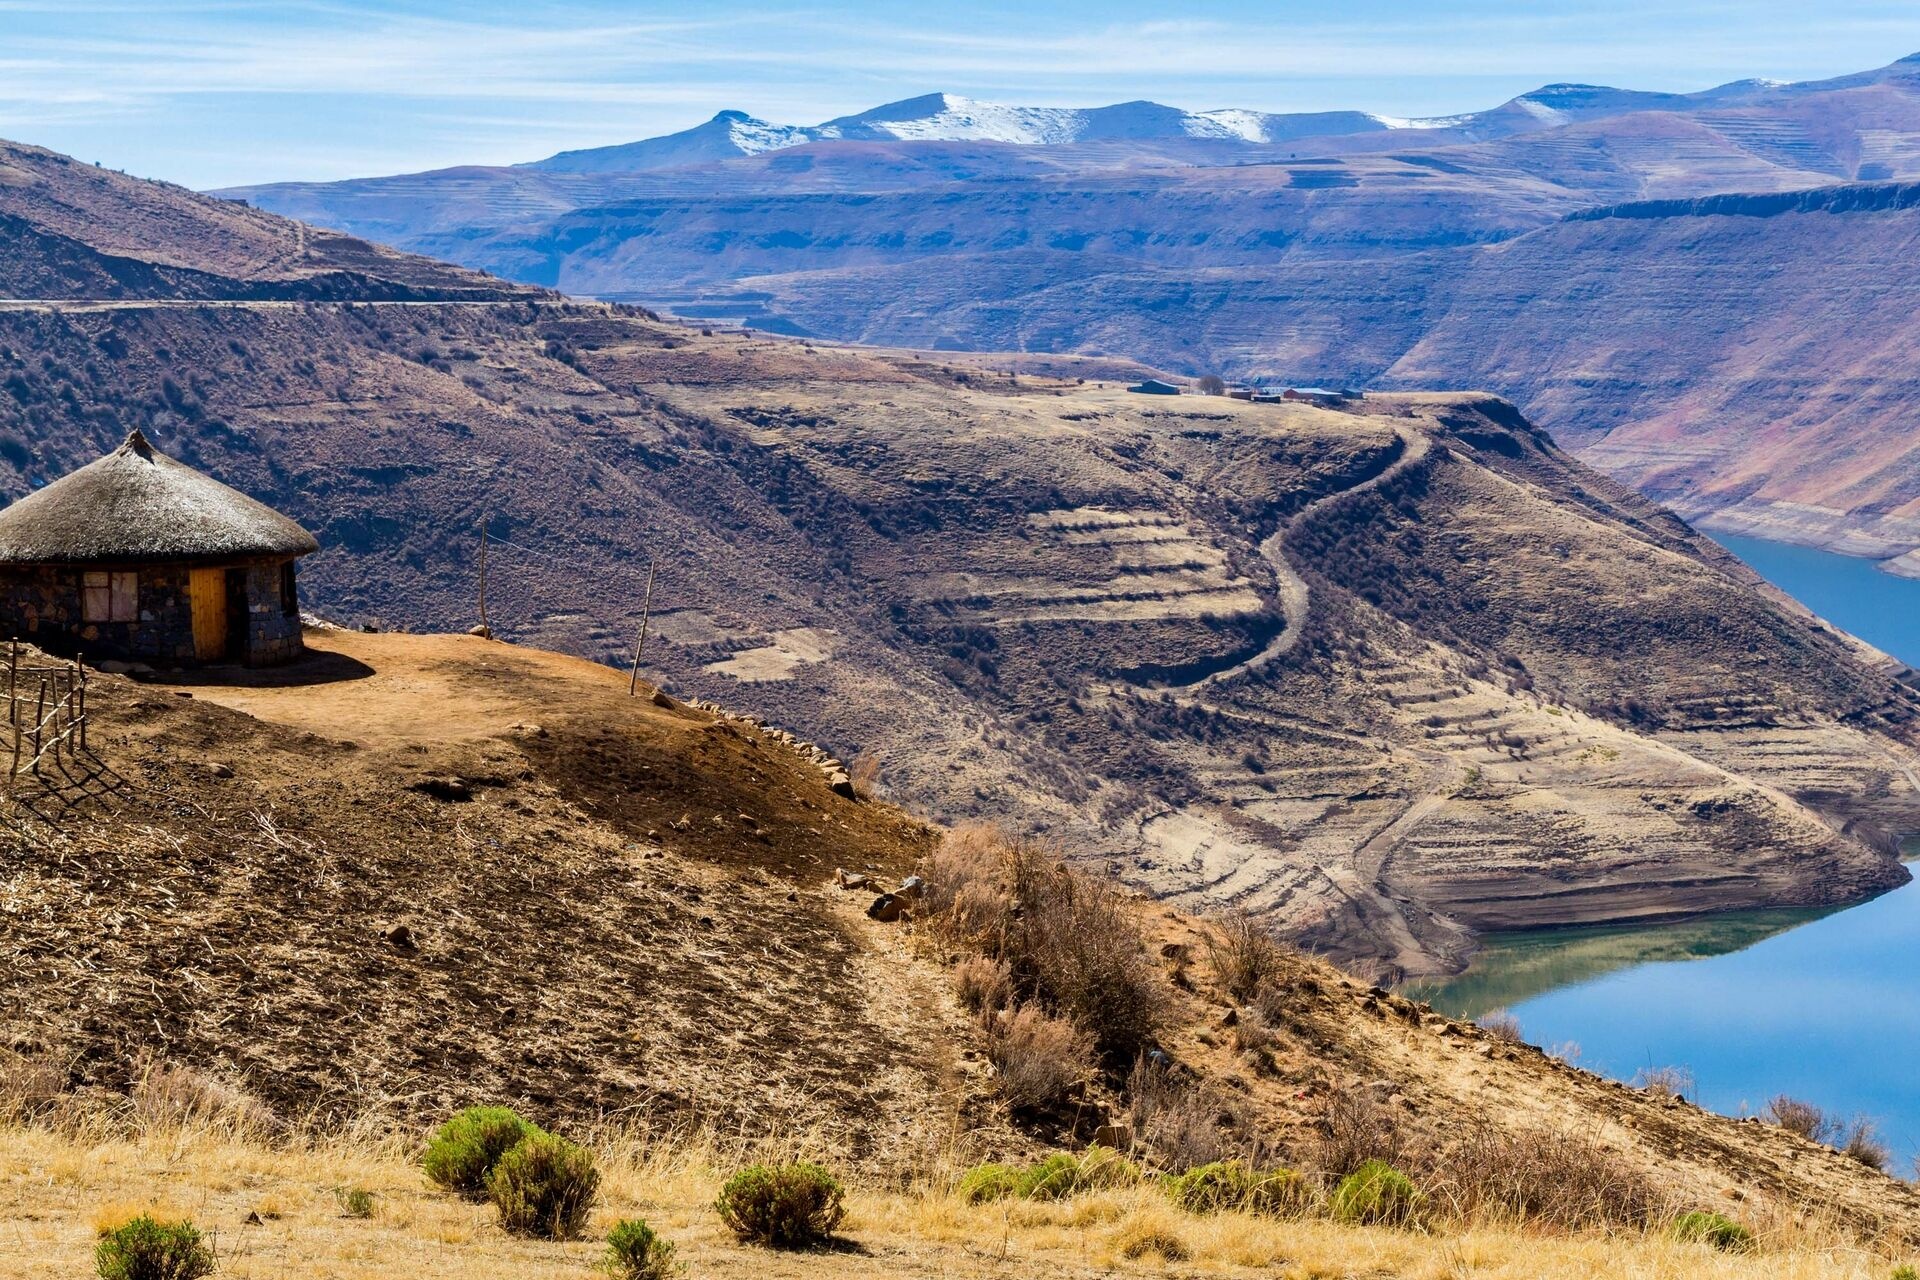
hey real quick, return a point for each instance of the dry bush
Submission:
(169, 1097)
(1069, 942)
(864, 772)
(983, 984)
(1565, 1180)
(1077, 946)
(1664, 1082)
(967, 900)
(1244, 955)
(1801, 1117)
(1186, 1122)
(1501, 1025)
(1041, 1058)
(1351, 1129)
(1860, 1139)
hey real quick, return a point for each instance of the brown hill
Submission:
(74, 230)
(370, 887)
(1387, 678)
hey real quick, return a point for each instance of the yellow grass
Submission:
(57, 1192)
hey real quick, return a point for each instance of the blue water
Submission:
(1823, 1006)
(1847, 591)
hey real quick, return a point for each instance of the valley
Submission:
(1670, 284)
(799, 753)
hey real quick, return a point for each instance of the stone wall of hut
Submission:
(273, 632)
(42, 605)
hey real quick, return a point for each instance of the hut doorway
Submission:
(208, 590)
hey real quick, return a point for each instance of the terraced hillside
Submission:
(1361, 673)
(1386, 677)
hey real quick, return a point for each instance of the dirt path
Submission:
(1293, 590)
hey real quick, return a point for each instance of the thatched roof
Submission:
(138, 506)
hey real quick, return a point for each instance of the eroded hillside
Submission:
(369, 889)
(1386, 678)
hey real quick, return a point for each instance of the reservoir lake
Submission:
(1823, 1005)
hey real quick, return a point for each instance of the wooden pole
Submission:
(13, 712)
(483, 575)
(39, 721)
(646, 612)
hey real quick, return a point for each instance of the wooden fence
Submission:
(46, 716)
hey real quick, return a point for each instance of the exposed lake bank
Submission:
(1816, 1003)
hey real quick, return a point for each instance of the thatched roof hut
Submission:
(139, 556)
(138, 506)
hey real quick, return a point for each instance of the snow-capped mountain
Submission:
(947, 117)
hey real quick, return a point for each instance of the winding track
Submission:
(1294, 593)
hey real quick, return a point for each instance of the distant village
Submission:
(1214, 386)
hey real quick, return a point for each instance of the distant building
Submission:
(1314, 395)
(1154, 387)
(138, 557)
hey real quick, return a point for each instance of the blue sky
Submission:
(213, 92)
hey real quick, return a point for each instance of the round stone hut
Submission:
(139, 557)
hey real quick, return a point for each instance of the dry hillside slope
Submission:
(627, 914)
(1387, 678)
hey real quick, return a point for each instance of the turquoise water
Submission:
(1845, 590)
(1822, 1005)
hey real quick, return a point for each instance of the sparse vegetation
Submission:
(1376, 1193)
(1040, 1058)
(146, 1248)
(355, 1202)
(1244, 954)
(785, 1206)
(1565, 1180)
(1230, 1185)
(1722, 1233)
(1502, 1026)
(1664, 1082)
(635, 1251)
(1068, 943)
(544, 1187)
(461, 1156)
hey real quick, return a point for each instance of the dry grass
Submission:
(1041, 1058)
(1069, 942)
(1244, 955)
(864, 772)
(56, 1188)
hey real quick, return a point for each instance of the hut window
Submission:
(110, 597)
(289, 596)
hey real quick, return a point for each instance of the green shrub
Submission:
(1905, 1271)
(636, 1252)
(986, 1182)
(355, 1202)
(1722, 1233)
(1376, 1192)
(1102, 1168)
(464, 1151)
(1228, 1184)
(147, 1249)
(545, 1187)
(1054, 1178)
(787, 1206)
